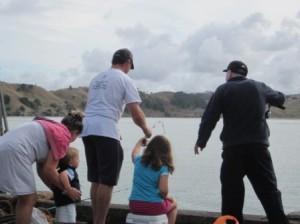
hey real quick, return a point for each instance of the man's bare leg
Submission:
(102, 196)
(24, 208)
(94, 187)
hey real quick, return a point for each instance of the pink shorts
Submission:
(150, 208)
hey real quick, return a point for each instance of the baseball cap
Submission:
(122, 56)
(238, 67)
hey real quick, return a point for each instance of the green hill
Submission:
(30, 100)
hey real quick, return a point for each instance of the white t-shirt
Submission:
(109, 92)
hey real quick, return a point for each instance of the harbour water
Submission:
(195, 183)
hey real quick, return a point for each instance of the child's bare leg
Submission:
(173, 213)
(24, 208)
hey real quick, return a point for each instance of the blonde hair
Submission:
(71, 153)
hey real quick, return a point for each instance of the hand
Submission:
(142, 141)
(196, 149)
(73, 193)
(147, 131)
(170, 198)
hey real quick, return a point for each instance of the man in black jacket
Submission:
(242, 103)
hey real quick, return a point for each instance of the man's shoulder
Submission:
(257, 84)
(110, 72)
(245, 81)
(116, 73)
(221, 87)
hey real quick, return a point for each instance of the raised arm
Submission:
(138, 147)
(138, 117)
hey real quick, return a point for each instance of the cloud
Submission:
(167, 57)
(214, 45)
(20, 7)
(283, 71)
(72, 77)
(95, 60)
(196, 63)
(156, 56)
(252, 40)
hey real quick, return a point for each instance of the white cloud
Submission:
(213, 46)
(15, 6)
(182, 46)
(95, 61)
(283, 71)
(156, 56)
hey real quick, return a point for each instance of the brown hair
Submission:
(71, 153)
(158, 153)
(73, 121)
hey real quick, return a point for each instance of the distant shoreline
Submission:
(31, 100)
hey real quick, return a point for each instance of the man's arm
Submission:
(138, 117)
(209, 120)
(274, 98)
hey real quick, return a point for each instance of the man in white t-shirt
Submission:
(109, 93)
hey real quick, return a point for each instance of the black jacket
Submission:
(242, 103)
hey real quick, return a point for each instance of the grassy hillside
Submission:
(24, 99)
(292, 108)
(30, 100)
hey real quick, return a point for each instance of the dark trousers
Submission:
(254, 161)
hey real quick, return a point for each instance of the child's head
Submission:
(158, 153)
(71, 158)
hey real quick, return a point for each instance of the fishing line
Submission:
(160, 124)
(88, 199)
(120, 190)
(156, 125)
(85, 199)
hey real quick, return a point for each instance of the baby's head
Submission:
(71, 158)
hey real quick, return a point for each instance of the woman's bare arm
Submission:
(48, 173)
(72, 192)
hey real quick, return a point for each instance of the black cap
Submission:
(238, 67)
(122, 56)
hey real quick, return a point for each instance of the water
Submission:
(195, 183)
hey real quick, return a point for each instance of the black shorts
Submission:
(104, 158)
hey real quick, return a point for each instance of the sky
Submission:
(177, 45)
